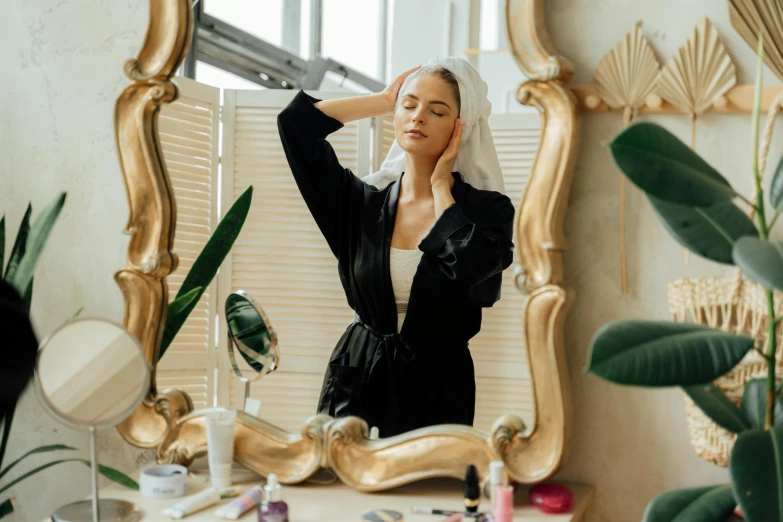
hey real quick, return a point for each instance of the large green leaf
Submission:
(761, 261)
(754, 404)
(20, 243)
(207, 263)
(776, 189)
(706, 231)
(6, 508)
(661, 165)
(714, 403)
(39, 233)
(756, 468)
(40, 449)
(709, 504)
(656, 353)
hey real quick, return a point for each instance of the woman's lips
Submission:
(416, 135)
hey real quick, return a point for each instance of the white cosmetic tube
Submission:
(193, 503)
(220, 445)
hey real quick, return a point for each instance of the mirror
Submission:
(517, 358)
(91, 373)
(251, 334)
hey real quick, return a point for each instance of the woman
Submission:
(420, 246)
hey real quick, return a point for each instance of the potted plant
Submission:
(697, 205)
(16, 286)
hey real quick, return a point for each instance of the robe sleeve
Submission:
(474, 252)
(329, 190)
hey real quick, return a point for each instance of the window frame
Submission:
(247, 56)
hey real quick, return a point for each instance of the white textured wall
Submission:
(633, 443)
(62, 70)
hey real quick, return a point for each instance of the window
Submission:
(271, 42)
(356, 45)
(261, 18)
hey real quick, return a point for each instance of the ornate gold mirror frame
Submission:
(166, 420)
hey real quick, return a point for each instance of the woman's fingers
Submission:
(456, 138)
(454, 518)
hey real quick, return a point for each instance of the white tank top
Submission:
(402, 265)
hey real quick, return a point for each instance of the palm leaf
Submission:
(109, 473)
(2, 245)
(7, 421)
(6, 508)
(41, 449)
(115, 475)
(206, 265)
(20, 244)
(39, 233)
(178, 305)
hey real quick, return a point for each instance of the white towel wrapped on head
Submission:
(477, 159)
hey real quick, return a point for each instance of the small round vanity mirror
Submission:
(251, 335)
(92, 373)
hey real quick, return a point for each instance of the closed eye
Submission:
(433, 112)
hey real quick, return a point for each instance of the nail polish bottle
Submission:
(472, 491)
(504, 504)
(273, 509)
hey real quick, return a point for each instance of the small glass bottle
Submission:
(273, 509)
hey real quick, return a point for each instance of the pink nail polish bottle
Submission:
(504, 504)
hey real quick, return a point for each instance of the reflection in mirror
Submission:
(112, 359)
(283, 254)
(251, 334)
(92, 373)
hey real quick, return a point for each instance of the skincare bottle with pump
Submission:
(273, 509)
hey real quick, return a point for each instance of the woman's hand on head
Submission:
(391, 92)
(442, 172)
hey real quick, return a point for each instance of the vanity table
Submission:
(339, 503)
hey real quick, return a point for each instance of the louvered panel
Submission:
(503, 383)
(281, 257)
(188, 130)
(384, 138)
(286, 397)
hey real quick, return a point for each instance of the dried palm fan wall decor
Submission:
(625, 77)
(700, 73)
(695, 78)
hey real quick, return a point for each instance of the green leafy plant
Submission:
(25, 254)
(205, 267)
(697, 205)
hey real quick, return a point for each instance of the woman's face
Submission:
(427, 106)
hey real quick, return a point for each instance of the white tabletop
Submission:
(337, 503)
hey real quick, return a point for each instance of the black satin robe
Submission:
(424, 375)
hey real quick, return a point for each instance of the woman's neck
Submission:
(416, 182)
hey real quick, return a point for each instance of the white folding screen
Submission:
(281, 259)
(503, 384)
(188, 131)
